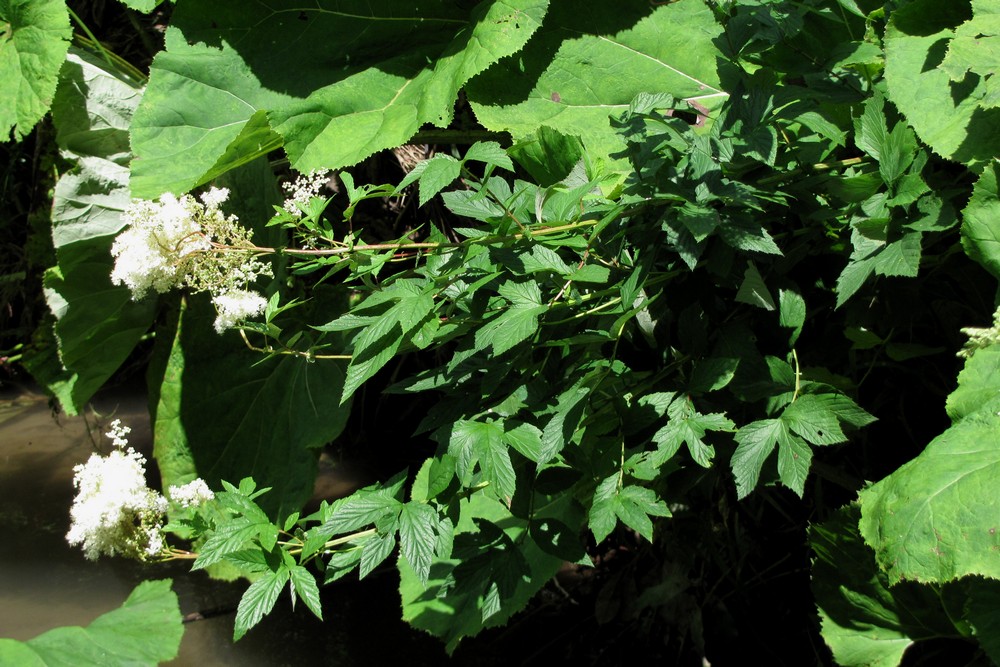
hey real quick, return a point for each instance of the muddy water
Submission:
(44, 583)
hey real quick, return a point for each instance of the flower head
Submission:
(302, 189)
(114, 512)
(191, 494)
(234, 306)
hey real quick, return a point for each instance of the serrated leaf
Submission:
(579, 78)
(35, 39)
(363, 508)
(491, 153)
(438, 173)
(258, 601)
(934, 519)
(375, 550)
(305, 588)
(222, 68)
(508, 329)
(813, 418)
(865, 622)
(633, 505)
(526, 439)
(951, 118)
(755, 441)
(418, 537)
(980, 233)
(688, 426)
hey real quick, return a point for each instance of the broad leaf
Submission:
(980, 233)
(221, 94)
(589, 61)
(418, 537)
(218, 398)
(145, 630)
(864, 621)
(34, 37)
(956, 119)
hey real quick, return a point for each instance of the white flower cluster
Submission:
(302, 189)
(147, 254)
(980, 338)
(234, 306)
(114, 511)
(181, 242)
(191, 494)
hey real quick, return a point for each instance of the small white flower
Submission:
(234, 306)
(191, 494)
(114, 512)
(302, 189)
(214, 197)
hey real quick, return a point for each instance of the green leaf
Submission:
(977, 385)
(791, 312)
(980, 233)
(452, 611)
(34, 38)
(375, 550)
(220, 94)
(97, 324)
(217, 398)
(956, 119)
(753, 291)
(935, 518)
(418, 537)
(548, 155)
(633, 505)
(258, 601)
(864, 621)
(438, 173)
(145, 631)
(511, 327)
(814, 418)
(688, 426)
(526, 439)
(756, 442)
(490, 153)
(975, 49)
(305, 588)
(573, 74)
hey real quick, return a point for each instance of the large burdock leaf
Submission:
(980, 231)
(572, 77)
(34, 36)
(954, 113)
(937, 518)
(225, 413)
(145, 630)
(97, 324)
(333, 81)
(863, 620)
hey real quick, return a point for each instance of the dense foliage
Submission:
(663, 260)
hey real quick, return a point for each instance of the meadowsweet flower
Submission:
(191, 494)
(149, 253)
(302, 189)
(981, 337)
(234, 306)
(114, 512)
(183, 242)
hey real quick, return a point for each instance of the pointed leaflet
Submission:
(418, 537)
(304, 587)
(221, 93)
(756, 442)
(258, 601)
(34, 37)
(514, 324)
(473, 441)
(633, 505)
(688, 426)
(570, 79)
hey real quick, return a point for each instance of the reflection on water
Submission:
(44, 583)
